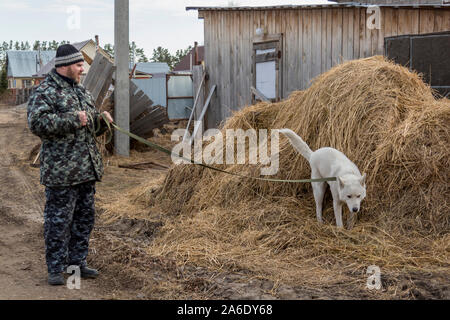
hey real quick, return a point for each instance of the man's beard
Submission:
(73, 75)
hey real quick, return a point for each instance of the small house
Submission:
(194, 57)
(23, 64)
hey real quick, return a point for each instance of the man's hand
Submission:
(108, 116)
(83, 118)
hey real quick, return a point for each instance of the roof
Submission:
(24, 63)
(314, 6)
(185, 63)
(151, 67)
(51, 64)
(376, 2)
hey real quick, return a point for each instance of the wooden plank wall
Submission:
(99, 78)
(314, 41)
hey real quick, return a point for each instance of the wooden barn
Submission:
(279, 49)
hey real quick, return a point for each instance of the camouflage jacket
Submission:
(69, 153)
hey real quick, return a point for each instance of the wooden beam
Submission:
(193, 107)
(200, 119)
(259, 94)
(86, 58)
(37, 157)
(132, 71)
(181, 97)
(156, 115)
(269, 56)
(105, 54)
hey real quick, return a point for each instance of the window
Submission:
(267, 71)
(26, 83)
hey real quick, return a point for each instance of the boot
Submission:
(55, 279)
(87, 272)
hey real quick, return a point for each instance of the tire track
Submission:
(16, 186)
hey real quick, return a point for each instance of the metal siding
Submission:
(151, 67)
(154, 88)
(177, 108)
(179, 86)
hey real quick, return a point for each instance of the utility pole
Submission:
(122, 80)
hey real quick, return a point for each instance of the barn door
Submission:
(267, 57)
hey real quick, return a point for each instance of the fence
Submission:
(18, 96)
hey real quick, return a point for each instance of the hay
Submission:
(385, 119)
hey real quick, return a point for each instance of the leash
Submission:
(169, 152)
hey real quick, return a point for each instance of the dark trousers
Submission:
(68, 221)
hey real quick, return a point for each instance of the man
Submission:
(62, 113)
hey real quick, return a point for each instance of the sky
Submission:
(152, 23)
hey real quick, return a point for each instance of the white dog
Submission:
(349, 187)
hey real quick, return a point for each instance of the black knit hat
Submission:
(66, 55)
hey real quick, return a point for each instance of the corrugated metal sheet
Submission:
(178, 86)
(179, 93)
(178, 108)
(154, 88)
(23, 64)
(151, 67)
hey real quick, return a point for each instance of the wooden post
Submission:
(199, 86)
(259, 94)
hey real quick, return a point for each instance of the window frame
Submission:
(263, 43)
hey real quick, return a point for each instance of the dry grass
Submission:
(385, 119)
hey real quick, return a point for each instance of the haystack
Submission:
(386, 120)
